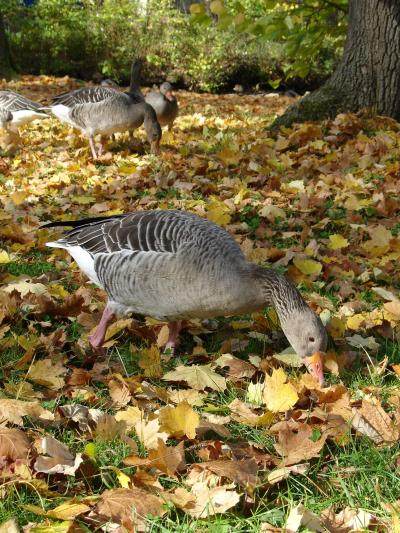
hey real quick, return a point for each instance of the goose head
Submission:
(152, 128)
(307, 336)
(301, 326)
(166, 90)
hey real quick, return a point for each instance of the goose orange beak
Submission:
(315, 365)
(169, 96)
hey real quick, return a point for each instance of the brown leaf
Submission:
(56, 458)
(168, 459)
(47, 373)
(109, 429)
(372, 421)
(13, 410)
(241, 472)
(14, 444)
(119, 392)
(129, 507)
(297, 446)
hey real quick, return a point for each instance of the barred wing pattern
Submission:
(12, 101)
(85, 95)
(165, 264)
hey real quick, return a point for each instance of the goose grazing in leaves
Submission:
(104, 111)
(173, 265)
(22, 110)
(165, 105)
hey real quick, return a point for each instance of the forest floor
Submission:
(230, 433)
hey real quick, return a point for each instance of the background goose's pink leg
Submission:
(92, 147)
(97, 339)
(174, 329)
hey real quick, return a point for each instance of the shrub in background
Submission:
(82, 37)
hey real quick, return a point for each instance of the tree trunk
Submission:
(6, 69)
(368, 75)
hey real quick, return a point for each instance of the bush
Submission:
(82, 37)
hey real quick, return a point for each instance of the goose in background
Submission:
(173, 265)
(21, 108)
(104, 111)
(98, 93)
(165, 104)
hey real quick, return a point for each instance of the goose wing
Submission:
(158, 231)
(12, 101)
(85, 95)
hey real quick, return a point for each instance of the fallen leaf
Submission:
(199, 377)
(150, 362)
(47, 373)
(210, 502)
(300, 516)
(309, 267)
(278, 395)
(149, 433)
(179, 421)
(129, 507)
(13, 410)
(57, 459)
(14, 444)
(297, 446)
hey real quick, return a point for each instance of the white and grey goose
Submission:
(165, 104)
(22, 110)
(173, 265)
(104, 111)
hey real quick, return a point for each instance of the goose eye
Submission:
(311, 339)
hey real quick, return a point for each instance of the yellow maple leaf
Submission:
(150, 361)
(4, 257)
(337, 242)
(179, 421)
(218, 212)
(307, 266)
(18, 197)
(278, 395)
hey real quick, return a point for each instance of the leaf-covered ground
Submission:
(229, 433)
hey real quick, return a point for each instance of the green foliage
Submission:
(310, 31)
(231, 45)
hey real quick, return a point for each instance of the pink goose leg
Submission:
(97, 339)
(92, 147)
(174, 329)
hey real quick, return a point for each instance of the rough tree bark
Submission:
(368, 75)
(6, 68)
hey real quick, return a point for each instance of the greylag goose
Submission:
(104, 111)
(165, 104)
(87, 95)
(22, 109)
(173, 265)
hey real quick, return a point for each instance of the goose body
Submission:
(105, 111)
(173, 265)
(22, 109)
(118, 112)
(165, 105)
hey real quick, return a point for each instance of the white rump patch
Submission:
(62, 112)
(24, 116)
(83, 259)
